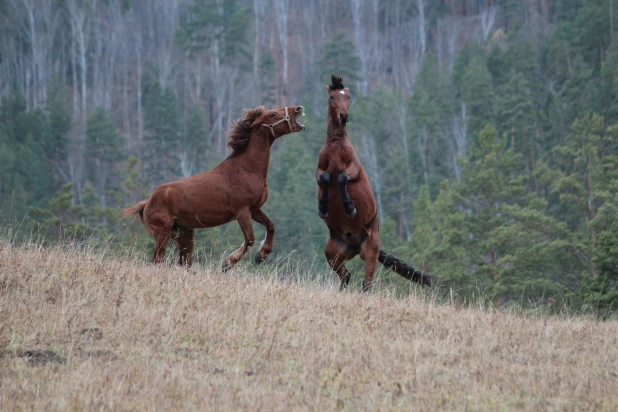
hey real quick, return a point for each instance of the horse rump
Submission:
(405, 270)
(136, 209)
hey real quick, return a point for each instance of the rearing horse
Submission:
(235, 189)
(346, 202)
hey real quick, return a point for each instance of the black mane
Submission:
(337, 83)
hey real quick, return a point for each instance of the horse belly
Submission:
(203, 212)
(203, 220)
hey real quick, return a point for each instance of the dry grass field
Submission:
(82, 331)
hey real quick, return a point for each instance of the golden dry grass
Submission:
(82, 331)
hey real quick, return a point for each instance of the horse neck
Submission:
(334, 129)
(257, 154)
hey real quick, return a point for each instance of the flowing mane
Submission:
(238, 135)
(336, 83)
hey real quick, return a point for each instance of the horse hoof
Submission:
(324, 215)
(352, 213)
(225, 266)
(258, 259)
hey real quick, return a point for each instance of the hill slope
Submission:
(81, 331)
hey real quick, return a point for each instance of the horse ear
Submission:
(327, 88)
(347, 90)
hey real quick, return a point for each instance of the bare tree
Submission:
(80, 20)
(39, 23)
(369, 154)
(487, 18)
(282, 9)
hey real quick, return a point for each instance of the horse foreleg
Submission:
(267, 244)
(323, 203)
(186, 245)
(244, 221)
(369, 253)
(335, 257)
(349, 208)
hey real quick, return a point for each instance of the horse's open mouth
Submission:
(300, 112)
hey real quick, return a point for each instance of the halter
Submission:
(285, 119)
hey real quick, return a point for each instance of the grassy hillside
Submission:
(79, 330)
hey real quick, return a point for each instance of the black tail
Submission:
(405, 270)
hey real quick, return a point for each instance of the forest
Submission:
(488, 128)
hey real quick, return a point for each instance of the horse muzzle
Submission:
(300, 112)
(343, 118)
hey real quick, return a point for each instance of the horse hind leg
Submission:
(369, 253)
(349, 208)
(267, 244)
(335, 257)
(159, 224)
(186, 245)
(161, 241)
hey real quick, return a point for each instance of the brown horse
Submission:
(235, 189)
(346, 201)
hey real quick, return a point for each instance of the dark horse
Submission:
(235, 189)
(346, 201)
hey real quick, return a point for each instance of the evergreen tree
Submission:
(340, 59)
(104, 150)
(226, 24)
(267, 83)
(196, 143)
(162, 140)
(478, 94)
(57, 141)
(587, 182)
(431, 112)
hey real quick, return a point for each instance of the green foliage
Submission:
(196, 143)
(225, 23)
(104, 149)
(161, 143)
(478, 94)
(340, 59)
(25, 170)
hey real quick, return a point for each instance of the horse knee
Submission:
(325, 178)
(250, 240)
(270, 227)
(343, 179)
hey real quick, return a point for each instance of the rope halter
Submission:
(285, 119)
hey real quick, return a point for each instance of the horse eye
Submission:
(332, 97)
(274, 114)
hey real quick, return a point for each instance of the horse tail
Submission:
(136, 209)
(405, 270)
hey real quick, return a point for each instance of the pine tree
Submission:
(478, 94)
(196, 145)
(57, 141)
(104, 150)
(340, 59)
(587, 182)
(430, 111)
(162, 139)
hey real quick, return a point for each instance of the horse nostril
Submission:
(299, 109)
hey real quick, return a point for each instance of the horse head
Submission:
(282, 121)
(338, 99)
